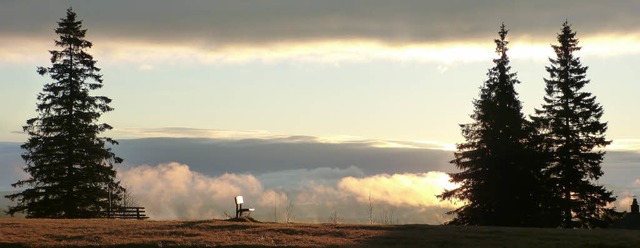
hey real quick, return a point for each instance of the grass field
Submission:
(217, 233)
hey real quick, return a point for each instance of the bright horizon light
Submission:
(315, 51)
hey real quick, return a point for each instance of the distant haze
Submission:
(185, 178)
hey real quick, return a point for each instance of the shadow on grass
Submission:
(458, 236)
(7, 244)
(195, 245)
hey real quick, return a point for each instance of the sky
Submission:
(365, 90)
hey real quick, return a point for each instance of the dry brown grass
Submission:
(212, 233)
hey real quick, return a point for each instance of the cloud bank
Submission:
(401, 190)
(221, 23)
(174, 191)
(331, 30)
(317, 175)
(258, 156)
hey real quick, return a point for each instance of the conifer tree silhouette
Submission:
(571, 130)
(499, 175)
(70, 165)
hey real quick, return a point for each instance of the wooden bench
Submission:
(239, 209)
(137, 213)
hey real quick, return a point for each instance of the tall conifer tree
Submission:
(569, 123)
(69, 163)
(499, 182)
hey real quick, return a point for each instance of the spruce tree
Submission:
(69, 163)
(499, 177)
(571, 130)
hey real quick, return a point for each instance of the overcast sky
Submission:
(165, 173)
(344, 89)
(256, 22)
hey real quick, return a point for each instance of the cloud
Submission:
(268, 137)
(219, 23)
(334, 30)
(181, 132)
(623, 201)
(308, 51)
(146, 67)
(414, 190)
(215, 156)
(317, 177)
(174, 191)
(25, 50)
(442, 69)
(298, 178)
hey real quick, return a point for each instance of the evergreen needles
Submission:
(70, 165)
(516, 172)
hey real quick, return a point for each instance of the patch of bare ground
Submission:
(218, 233)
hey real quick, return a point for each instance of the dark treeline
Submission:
(539, 171)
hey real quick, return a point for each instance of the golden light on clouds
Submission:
(176, 132)
(326, 52)
(608, 45)
(165, 188)
(24, 50)
(134, 133)
(420, 144)
(417, 190)
(349, 51)
(147, 54)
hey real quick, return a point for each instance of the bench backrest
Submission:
(239, 200)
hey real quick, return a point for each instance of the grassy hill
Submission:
(133, 233)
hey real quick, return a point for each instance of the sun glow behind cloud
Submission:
(326, 52)
(146, 54)
(353, 51)
(349, 51)
(24, 50)
(609, 45)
